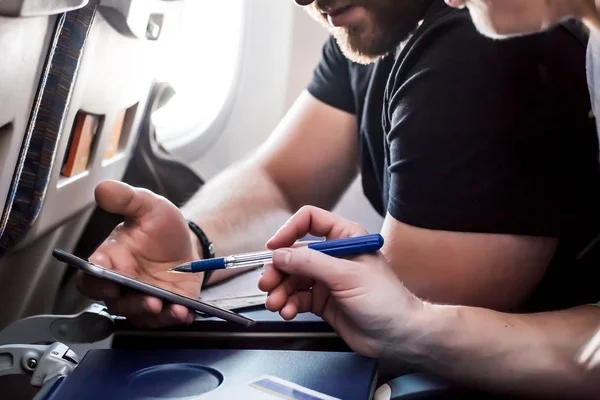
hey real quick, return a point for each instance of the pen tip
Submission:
(180, 269)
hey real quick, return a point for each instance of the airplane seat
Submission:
(74, 85)
(23, 45)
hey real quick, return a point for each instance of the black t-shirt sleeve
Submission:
(331, 79)
(474, 130)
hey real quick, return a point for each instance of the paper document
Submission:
(238, 292)
(272, 388)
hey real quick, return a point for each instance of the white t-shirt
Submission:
(593, 76)
(593, 73)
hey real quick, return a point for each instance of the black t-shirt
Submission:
(459, 132)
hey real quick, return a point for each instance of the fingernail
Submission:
(282, 257)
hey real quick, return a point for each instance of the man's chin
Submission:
(357, 51)
(359, 57)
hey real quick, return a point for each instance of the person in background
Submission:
(547, 355)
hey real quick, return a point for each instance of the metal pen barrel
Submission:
(249, 259)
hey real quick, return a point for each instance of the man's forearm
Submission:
(239, 210)
(531, 355)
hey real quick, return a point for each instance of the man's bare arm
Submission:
(547, 355)
(311, 158)
(483, 270)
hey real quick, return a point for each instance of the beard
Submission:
(387, 23)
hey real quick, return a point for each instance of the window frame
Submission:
(191, 142)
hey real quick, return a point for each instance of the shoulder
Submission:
(449, 36)
(449, 59)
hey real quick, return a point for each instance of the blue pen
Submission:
(334, 248)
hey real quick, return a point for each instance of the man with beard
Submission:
(467, 146)
(546, 355)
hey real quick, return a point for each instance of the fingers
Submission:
(100, 289)
(270, 279)
(304, 301)
(280, 295)
(173, 314)
(135, 306)
(96, 288)
(141, 310)
(317, 222)
(191, 318)
(335, 273)
(120, 198)
(149, 312)
(320, 297)
(304, 279)
(297, 303)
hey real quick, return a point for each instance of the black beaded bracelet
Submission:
(208, 249)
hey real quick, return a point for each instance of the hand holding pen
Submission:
(335, 248)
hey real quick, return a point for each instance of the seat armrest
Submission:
(92, 325)
(33, 346)
(43, 363)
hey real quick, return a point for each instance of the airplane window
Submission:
(200, 59)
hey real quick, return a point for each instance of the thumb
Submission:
(334, 272)
(119, 198)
